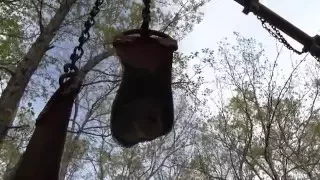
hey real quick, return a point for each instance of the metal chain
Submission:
(276, 34)
(70, 69)
(146, 18)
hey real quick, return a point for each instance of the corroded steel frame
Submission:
(311, 44)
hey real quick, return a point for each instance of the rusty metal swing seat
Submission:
(143, 108)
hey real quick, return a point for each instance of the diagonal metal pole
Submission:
(311, 44)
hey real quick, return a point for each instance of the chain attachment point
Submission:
(146, 18)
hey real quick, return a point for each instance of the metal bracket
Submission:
(249, 5)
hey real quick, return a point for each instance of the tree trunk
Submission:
(65, 159)
(12, 94)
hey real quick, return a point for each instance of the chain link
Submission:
(146, 18)
(71, 69)
(276, 34)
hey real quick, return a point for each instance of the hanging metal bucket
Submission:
(143, 107)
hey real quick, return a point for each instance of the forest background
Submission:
(245, 106)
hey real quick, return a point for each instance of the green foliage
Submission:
(10, 42)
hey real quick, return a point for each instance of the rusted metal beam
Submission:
(311, 44)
